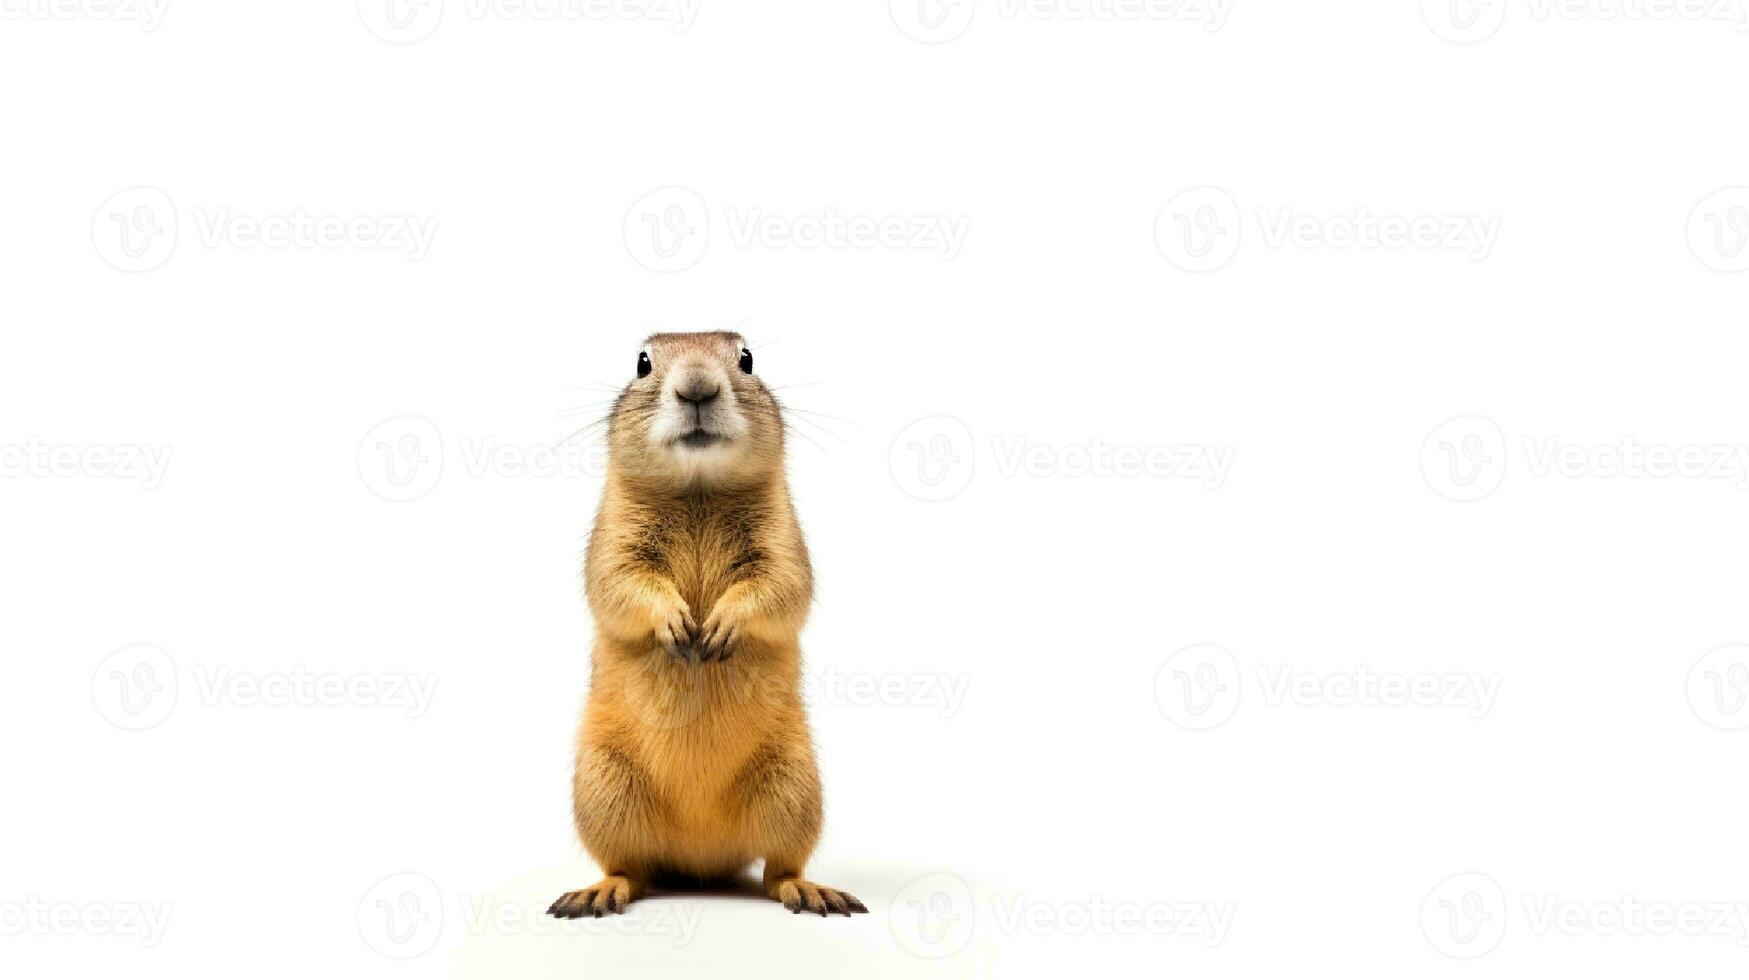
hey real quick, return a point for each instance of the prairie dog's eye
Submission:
(643, 364)
(746, 361)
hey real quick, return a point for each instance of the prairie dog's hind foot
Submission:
(609, 896)
(800, 895)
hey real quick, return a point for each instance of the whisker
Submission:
(823, 415)
(600, 422)
(589, 409)
(836, 438)
(827, 430)
(803, 435)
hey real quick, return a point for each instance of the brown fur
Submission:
(694, 757)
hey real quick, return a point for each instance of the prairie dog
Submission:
(694, 757)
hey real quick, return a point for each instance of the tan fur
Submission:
(694, 757)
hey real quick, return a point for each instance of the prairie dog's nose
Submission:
(698, 389)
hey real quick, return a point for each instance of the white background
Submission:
(1084, 769)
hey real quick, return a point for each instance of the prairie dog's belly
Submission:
(690, 741)
(691, 728)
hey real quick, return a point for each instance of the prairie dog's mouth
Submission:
(699, 439)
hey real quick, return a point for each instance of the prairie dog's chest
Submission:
(706, 549)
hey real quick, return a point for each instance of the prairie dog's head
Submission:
(695, 414)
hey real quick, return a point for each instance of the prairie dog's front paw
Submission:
(721, 631)
(676, 631)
